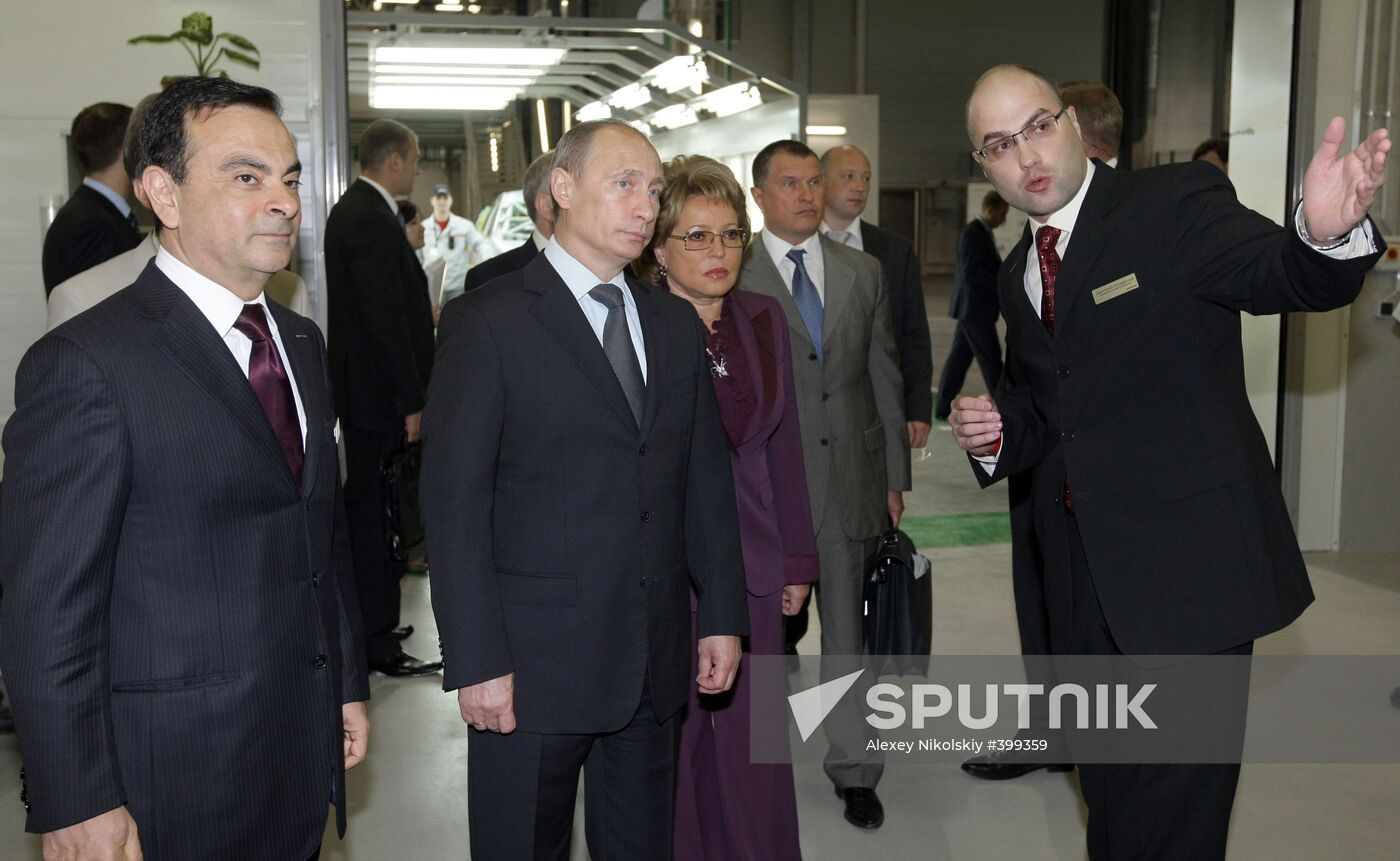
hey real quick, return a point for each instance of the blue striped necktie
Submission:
(804, 295)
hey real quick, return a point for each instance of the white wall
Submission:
(1260, 115)
(57, 58)
(861, 117)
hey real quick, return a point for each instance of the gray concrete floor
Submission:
(408, 801)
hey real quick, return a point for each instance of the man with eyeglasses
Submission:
(850, 400)
(1146, 515)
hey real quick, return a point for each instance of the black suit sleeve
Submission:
(376, 281)
(712, 546)
(915, 346)
(1023, 428)
(978, 258)
(67, 476)
(456, 495)
(1241, 260)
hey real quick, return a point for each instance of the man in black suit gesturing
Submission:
(974, 305)
(180, 633)
(1122, 302)
(96, 224)
(577, 492)
(539, 206)
(381, 348)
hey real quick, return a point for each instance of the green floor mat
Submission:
(958, 530)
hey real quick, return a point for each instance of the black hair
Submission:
(765, 156)
(97, 133)
(165, 130)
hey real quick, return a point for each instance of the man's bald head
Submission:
(1000, 74)
(845, 184)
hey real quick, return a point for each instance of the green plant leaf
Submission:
(223, 74)
(240, 42)
(198, 27)
(241, 57)
(136, 40)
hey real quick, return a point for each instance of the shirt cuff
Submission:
(1359, 243)
(989, 461)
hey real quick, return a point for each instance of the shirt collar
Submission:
(778, 247)
(218, 304)
(538, 238)
(117, 200)
(853, 228)
(1065, 217)
(576, 276)
(383, 192)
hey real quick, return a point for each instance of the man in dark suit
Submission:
(577, 493)
(180, 634)
(96, 223)
(846, 191)
(1146, 513)
(974, 306)
(539, 206)
(1100, 116)
(381, 350)
(855, 442)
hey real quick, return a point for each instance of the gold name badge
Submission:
(1114, 289)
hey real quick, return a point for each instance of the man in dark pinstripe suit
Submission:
(180, 632)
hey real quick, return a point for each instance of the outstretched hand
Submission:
(1339, 187)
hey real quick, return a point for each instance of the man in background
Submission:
(540, 207)
(846, 192)
(454, 240)
(1100, 118)
(1216, 151)
(96, 223)
(855, 443)
(974, 305)
(381, 352)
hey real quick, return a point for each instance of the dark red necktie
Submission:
(271, 385)
(1045, 239)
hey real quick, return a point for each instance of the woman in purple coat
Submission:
(727, 807)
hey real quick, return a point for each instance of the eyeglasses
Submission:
(1040, 129)
(703, 240)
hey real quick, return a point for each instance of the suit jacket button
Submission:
(315, 578)
(812, 357)
(825, 396)
(1067, 436)
(1062, 371)
(824, 442)
(646, 516)
(319, 662)
(641, 452)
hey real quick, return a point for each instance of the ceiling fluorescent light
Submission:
(630, 97)
(730, 100)
(465, 71)
(674, 117)
(640, 126)
(399, 2)
(441, 98)
(593, 111)
(451, 80)
(449, 7)
(679, 73)
(827, 131)
(467, 56)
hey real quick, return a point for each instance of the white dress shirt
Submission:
(853, 239)
(813, 261)
(579, 281)
(538, 238)
(221, 307)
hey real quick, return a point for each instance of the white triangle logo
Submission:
(810, 707)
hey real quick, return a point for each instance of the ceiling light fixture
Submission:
(468, 55)
(630, 97)
(454, 98)
(827, 131)
(679, 73)
(465, 71)
(451, 80)
(593, 111)
(674, 117)
(730, 100)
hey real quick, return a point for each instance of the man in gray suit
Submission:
(850, 399)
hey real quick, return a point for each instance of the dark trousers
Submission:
(376, 574)
(1142, 812)
(970, 340)
(522, 787)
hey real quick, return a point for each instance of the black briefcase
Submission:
(403, 524)
(898, 608)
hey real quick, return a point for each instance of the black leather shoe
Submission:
(995, 766)
(401, 633)
(863, 807)
(404, 664)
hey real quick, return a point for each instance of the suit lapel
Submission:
(871, 241)
(653, 339)
(559, 312)
(187, 336)
(1013, 287)
(840, 280)
(1085, 245)
(758, 358)
(759, 275)
(304, 358)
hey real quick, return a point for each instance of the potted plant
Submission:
(196, 35)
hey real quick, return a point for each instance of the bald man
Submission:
(1146, 512)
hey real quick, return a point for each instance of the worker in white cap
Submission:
(454, 239)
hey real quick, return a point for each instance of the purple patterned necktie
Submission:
(1045, 240)
(271, 385)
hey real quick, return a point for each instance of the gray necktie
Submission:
(617, 344)
(841, 236)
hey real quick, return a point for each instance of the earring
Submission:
(663, 270)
